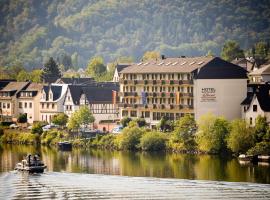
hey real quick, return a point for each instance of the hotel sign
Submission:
(208, 95)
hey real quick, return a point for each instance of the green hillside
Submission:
(32, 30)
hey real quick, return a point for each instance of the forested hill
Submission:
(33, 30)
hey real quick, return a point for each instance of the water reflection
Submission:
(163, 165)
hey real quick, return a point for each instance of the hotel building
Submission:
(173, 87)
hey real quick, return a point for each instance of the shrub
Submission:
(1, 131)
(37, 128)
(22, 118)
(107, 141)
(241, 137)
(153, 141)
(141, 122)
(262, 148)
(130, 139)
(52, 137)
(125, 121)
(12, 136)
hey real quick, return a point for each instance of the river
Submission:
(98, 174)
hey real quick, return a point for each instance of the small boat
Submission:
(247, 158)
(31, 164)
(264, 158)
(65, 146)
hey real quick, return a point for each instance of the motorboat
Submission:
(31, 164)
(65, 146)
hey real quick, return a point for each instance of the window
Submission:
(133, 113)
(20, 104)
(250, 120)
(254, 108)
(8, 105)
(30, 105)
(147, 114)
(124, 113)
(53, 106)
(4, 105)
(25, 104)
(48, 106)
(0, 105)
(42, 105)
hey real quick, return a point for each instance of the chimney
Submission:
(162, 57)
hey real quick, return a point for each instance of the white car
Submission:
(46, 128)
(117, 130)
(13, 126)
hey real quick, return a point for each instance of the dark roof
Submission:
(4, 82)
(50, 79)
(262, 94)
(76, 81)
(56, 90)
(75, 92)
(221, 69)
(121, 66)
(98, 94)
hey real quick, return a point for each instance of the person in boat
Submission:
(29, 159)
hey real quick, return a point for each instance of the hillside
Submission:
(31, 30)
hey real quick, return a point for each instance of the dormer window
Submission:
(255, 108)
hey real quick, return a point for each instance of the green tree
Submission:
(50, 70)
(212, 132)
(131, 138)
(22, 118)
(95, 67)
(241, 137)
(140, 122)
(231, 50)
(23, 76)
(83, 117)
(125, 121)
(184, 132)
(37, 128)
(165, 124)
(149, 55)
(153, 141)
(261, 128)
(262, 50)
(36, 76)
(60, 119)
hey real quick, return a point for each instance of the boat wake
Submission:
(54, 185)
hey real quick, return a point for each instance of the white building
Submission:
(52, 101)
(261, 75)
(257, 102)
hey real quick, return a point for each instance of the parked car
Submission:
(46, 128)
(13, 126)
(117, 129)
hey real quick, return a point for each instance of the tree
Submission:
(241, 137)
(50, 70)
(131, 138)
(36, 76)
(149, 55)
(37, 128)
(141, 122)
(23, 76)
(95, 67)
(22, 118)
(165, 124)
(212, 132)
(153, 141)
(60, 119)
(261, 128)
(261, 50)
(231, 50)
(125, 121)
(184, 132)
(83, 117)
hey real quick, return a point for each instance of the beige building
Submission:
(173, 87)
(52, 101)
(261, 75)
(9, 105)
(28, 101)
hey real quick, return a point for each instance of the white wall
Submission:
(222, 97)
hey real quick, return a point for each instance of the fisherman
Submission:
(29, 159)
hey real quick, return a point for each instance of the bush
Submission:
(52, 137)
(22, 118)
(125, 121)
(141, 122)
(153, 141)
(37, 128)
(241, 137)
(130, 139)
(262, 148)
(107, 141)
(12, 136)
(1, 131)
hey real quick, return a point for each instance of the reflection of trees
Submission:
(211, 168)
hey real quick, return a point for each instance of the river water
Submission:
(96, 174)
